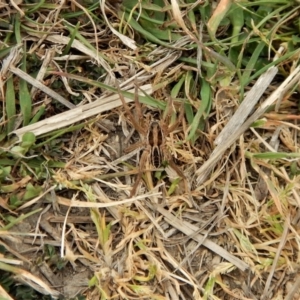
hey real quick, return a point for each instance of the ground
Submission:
(149, 150)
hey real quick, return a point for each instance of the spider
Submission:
(152, 139)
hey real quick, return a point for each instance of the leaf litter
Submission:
(67, 218)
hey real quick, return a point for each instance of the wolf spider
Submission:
(152, 139)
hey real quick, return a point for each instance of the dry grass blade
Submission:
(79, 150)
(58, 39)
(206, 168)
(267, 292)
(12, 59)
(74, 203)
(247, 105)
(75, 115)
(294, 290)
(261, 189)
(4, 295)
(125, 39)
(37, 84)
(30, 279)
(190, 230)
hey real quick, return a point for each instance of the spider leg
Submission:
(141, 167)
(133, 119)
(167, 116)
(133, 147)
(138, 107)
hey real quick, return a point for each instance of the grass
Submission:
(69, 228)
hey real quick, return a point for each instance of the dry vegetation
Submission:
(149, 150)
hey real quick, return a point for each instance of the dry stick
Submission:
(247, 105)
(204, 171)
(275, 261)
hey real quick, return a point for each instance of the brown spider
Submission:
(152, 139)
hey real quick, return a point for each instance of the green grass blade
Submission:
(39, 114)
(10, 104)
(136, 26)
(17, 26)
(24, 97)
(73, 32)
(275, 155)
(177, 87)
(236, 16)
(203, 109)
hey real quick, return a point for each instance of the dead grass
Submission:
(215, 214)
